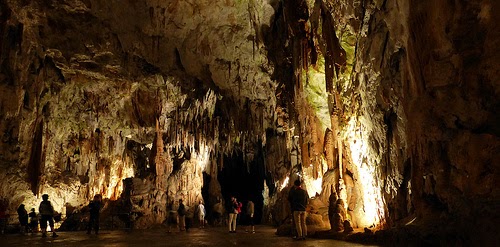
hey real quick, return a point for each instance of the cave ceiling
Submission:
(96, 80)
(390, 105)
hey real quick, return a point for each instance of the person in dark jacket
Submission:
(46, 211)
(233, 214)
(33, 221)
(298, 198)
(23, 218)
(181, 211)
(94, 208)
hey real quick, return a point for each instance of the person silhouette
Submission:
(33, 225)
(23, 218)
(250, 210)
(46, 211)
(94, 208)
(298, 199)
(181, 211)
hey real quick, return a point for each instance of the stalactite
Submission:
(35, 164)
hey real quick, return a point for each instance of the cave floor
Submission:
(214, 236)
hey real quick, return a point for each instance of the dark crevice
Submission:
(386, 40)
(140, 155)
(178, 60)
(178, 157)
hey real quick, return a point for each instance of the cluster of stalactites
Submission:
(197, 130)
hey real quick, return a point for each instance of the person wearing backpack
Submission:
(46, 211)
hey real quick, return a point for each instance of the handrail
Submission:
(12, 219)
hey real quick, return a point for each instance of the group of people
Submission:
(23, 215)
(235, 212)
(297, 198)
(179, 216)
(46, 215)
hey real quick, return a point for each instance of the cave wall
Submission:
(457, 144)
(424, 95)
(390, 104)
(93, 94)
(429, 85)
(411, 99)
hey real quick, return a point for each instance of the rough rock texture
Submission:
(94, 93)
(426, 102)
(391, 105)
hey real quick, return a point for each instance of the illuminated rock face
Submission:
(434, 96)
(390, 104)
(423, 93)
(95, 94)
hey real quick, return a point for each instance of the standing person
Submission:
(23, 218)
(3, 215)
(298, 201)
(239, 205)
(293, 228)
(218, 212)
(233, 213)
(181, 211)
(46, 211)
(250, 210)
(94, 209)
(201, 214)
(172, 216)
(33, 221)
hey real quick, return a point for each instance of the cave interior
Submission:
(387, 111)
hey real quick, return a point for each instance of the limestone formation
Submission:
(387, 108)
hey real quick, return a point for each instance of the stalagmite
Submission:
(390, 106)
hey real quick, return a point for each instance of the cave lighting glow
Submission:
(115, 186)
(69, 194)
(313, 186)
(365, 162)
(284, 184)
(58, 196)
(202, 157)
